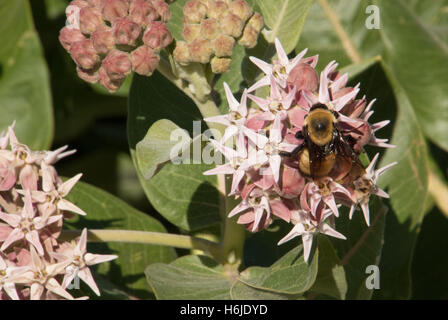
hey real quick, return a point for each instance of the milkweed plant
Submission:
(258, 135)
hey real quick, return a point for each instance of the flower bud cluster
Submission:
(108, 39)
(212, 27)
(34, 263)
(268, 153)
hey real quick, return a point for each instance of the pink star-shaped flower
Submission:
(79, 262)
(306, 225)
(279, 69)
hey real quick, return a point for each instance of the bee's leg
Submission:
(293, 152)
(299, 135)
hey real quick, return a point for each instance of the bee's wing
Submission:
(345, 151)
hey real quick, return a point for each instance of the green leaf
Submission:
(190, 278)
(288, 275)
(361, 249)
(155, 148)
(241, 291)
(285, 19)
(408, 190)
(175, 23)
(331, 278)
(104, 211)
(419, 60)
(24, 82)
(321, 37)
(181, 193)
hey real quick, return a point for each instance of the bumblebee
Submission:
(325, 151)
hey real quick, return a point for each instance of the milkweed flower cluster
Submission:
(211, 28)
(108, 39)
(269, 185)
(34, 263)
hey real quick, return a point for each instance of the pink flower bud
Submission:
(144, 60)
(113, 9)
(67, 36)
(194, 11)
(232, 25)
(216, 9)
(210, 29)
(292, 182)
(304, 77)
(79, 3)
(220, 65)
(157, 36)
(256, 22)
(181, 53)
(117, 64)
(84, 54)
(107, 82)
(191, 32)
(142, 12)
(249, 37)
(125, 31)
(90, 76)
(89, 20)
(200, 50)
(223, 45)
(95, 3)
(163, 9)
(103, 40)
(241, 9)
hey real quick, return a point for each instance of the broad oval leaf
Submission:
(419, 61)
(181, 193)
(289, 275)
(190, 278)
(242, 291)
(331, 278)
(285, 19)
(156, 147)
(24, 81)
(104, 211)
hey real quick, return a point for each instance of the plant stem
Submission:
(232, 234)
(146, 237)
(347, 43)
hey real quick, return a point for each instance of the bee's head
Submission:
(320, 124)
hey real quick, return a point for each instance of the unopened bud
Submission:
(107, 82)
(89, 20)
(216, 9)
(125, 31)
(95, 3)
(144, 60)
(90, 76)
(181, 53)
(194, 11)
(223, 45)
(157, 36)
(210, 29)
(303, 77)
(79, 3)
(249, 37)
(68, 36)
(256, 22)
(163, 9)
(232, 25)
(241, 9)
(200, 50)
(84, 54)
(113, 9)
(220, 65)
(103, 40)
(191, 32)
(117, 64)
(142, 12)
